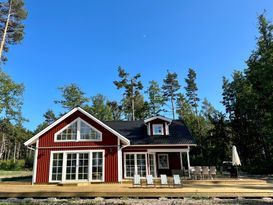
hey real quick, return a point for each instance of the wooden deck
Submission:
(194, 189)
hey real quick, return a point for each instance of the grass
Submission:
(4, 174)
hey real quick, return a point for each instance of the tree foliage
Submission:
(72, 96)
(170, 87)
(12, 14)
(156, 99)
(132, 87)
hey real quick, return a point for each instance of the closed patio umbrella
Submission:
(235, 157)
(235, 160)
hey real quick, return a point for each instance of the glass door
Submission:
(77, 166)
(141, 164)
(152, 166)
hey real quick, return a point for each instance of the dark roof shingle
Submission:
(136, 132)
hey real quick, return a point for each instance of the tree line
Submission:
(247, 121)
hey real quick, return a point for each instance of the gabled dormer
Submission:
(157, 125)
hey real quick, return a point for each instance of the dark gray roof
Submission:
(136, 132)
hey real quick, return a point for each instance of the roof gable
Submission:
(157, 117)
(36, 137)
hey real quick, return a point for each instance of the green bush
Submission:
(11, 165)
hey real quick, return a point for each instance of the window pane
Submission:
(163, 161)
(130, 165)
(70, 133)
(97, 166)
(87, 133)
(57, 165)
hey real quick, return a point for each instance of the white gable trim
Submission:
(157, 117)
(34, 138)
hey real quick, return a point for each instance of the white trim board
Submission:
(157, 117)
(34, 138)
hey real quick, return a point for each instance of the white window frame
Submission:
(161, 125)
(89, 165)
(159, 164)
(135, 160)
(78, 137)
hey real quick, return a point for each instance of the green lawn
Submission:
(4, 174)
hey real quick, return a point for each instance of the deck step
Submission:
(73, 183)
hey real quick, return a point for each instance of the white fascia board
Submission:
(34, 138)
(157, 117)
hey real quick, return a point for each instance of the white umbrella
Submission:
(235, 157)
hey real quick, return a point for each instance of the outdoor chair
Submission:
(197, 172)
(205, 172)
(177, 181)
(150, 181)
(212, 172)
(164, 180)
(137, 181)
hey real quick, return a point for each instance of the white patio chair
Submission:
(137, 181)
(197, 172)
(205, 172)
(212, 172)
(150, 181)
(164, 180)
(177, 181)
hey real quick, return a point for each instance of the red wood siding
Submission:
(46, 144)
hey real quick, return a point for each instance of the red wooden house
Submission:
(80, 148)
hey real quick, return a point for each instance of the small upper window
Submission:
(158, 129)
(78, 130)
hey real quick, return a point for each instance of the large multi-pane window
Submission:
(78, 130)
(97, 166)
(57, 166)
(135, 164)
(73, 166)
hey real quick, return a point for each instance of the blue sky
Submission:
(84, 42)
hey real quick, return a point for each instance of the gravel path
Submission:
(161, 201)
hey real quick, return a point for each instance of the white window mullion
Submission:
(78, 130)
(90, 166)
(77, 166)
(64, 167)
(135, 157)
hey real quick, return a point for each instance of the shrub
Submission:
(11, 165)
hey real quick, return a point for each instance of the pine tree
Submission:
(156, 99)
(12, 13)
(191, 90)
(132, 87)
(72, 96)
(170, 87)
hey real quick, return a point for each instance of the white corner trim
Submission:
(35, 163)
(34, 138)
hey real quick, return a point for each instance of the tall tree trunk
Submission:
(133, 101)
(2, 149)
(172, 106)
(5, 31)
(18, 151)
(14, 151)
